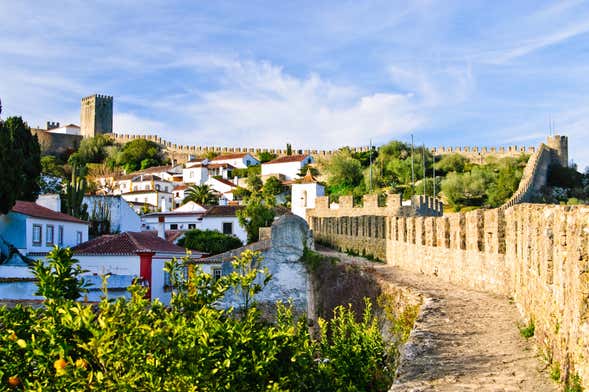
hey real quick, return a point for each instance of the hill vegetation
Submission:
(459, 182)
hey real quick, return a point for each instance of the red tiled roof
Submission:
(35, 210)
(127, 243)
(180, 187)
(288, 158)
(223, 210)
(229, 156)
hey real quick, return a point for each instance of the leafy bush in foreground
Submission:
(191, 345)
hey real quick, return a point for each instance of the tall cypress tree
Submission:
(20, 160)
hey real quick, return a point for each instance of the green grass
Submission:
(528, 331)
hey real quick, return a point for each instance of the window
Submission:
(37, 235)
(157, 186)
(49, 235)
(78, 237)
(191, 226)
(217, 273)
(174, 226)
(191, 174)
(227, 227)
(60, 235)
(248, 162)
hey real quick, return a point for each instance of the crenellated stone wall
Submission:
(181, 152)
(537, 254)
(362, 229)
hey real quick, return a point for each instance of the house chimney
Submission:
(161, 227)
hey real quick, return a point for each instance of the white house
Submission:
(239, 160)
(155, 199)
(70, 129)
(122, 216)
(193, 216)
(166, 172)
(222, 186)
(289, 166)
(34, 229)
(304, 193)
(195, 174)
(179, 194)
(133, 255)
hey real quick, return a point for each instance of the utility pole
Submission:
(370, 170)
(423, 164)
(412, 169)
(434, 168)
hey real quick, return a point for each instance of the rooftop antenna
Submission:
(412, 170)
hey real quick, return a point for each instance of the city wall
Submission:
(181, 152)
(56, 143)
(361, 229)
(537, 254)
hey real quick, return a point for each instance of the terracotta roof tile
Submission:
(33, 209)
(288, 158)
(229, 156)
(127, 243)
(223, 210)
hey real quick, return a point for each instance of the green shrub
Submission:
(528, 330)
(136, 344)
(209, 241)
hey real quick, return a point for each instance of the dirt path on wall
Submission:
(464, 340)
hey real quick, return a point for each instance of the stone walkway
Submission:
(464, 340)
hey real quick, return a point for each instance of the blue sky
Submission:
(315, 74)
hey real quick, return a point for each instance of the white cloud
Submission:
(260, 104)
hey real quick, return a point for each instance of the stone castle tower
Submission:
(96, 115)
(560, 145)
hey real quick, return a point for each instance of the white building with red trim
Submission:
(132, 255)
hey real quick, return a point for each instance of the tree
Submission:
(254, 182)
(266, 156)
(272, 187)
(59, 278)
(343, 170)
(20, 159)
(50, 166)
(210, 241)
(288, 149)
(91, 150)
(140, 153)
(467, 189)
(258, 212)
(313, 169)
(200, 194)
(452, 163)
(240, 193)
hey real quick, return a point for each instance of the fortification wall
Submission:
(538, 254)
(181, 152)
(361, 229)
(480, 154)
(56, 143)
(535, 175)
